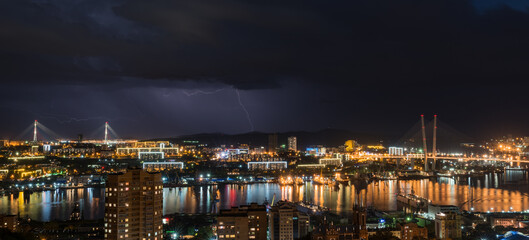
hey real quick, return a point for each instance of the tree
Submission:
(204, 233)
(482, 231)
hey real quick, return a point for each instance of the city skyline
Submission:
(264, 120)
(36, 131)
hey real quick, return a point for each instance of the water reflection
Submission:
(51, 205)
(509, 191)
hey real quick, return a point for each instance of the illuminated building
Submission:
(287, 223)
(397, 151)
(233, 154)
(410, 231)
(151, 156)
(375, 147)
(316, 151)
(46, 148)
(331, 161)
(448, 225)
(310, 166)
(28, 173)
(160, 166)
(292, 143)
(134, 205)
(237, 151)
(507, 221)
(72, 150)
(9, 222)
(244, 222)
(350, 145)
(148, 150)
(272, 165)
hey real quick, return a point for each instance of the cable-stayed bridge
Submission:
(44, 134)
(436, 140)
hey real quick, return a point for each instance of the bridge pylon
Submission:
(425, 147)
(106, 132)
(35, 131)
(434, 145)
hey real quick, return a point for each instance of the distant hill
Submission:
(326, 137)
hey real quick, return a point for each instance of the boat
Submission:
(412, 175)
(321, 180)
(444, 174)
(338, 178)
(286, 181)
(384, 176)
(299, 181)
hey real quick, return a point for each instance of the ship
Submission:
(412, 201)
(384, 176)
(299, 181)
(338, 178)
(286, 181)
(321, 180)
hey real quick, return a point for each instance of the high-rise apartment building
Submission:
(134, 206)
(448, 225)
(286, 222)
(244, 222)
(292, 143)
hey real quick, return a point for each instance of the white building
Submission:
(159, 166)
(292, 143)
(148, 151)
(272, 165)
(397, 151)
(331, 161)
(434, 209)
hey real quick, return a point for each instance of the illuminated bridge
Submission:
(442, 157)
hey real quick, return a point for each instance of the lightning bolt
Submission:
(244, 109)
(200, 92)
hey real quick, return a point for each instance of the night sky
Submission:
(170, 68)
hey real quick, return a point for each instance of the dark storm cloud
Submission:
(259, 43)
(163, 68)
